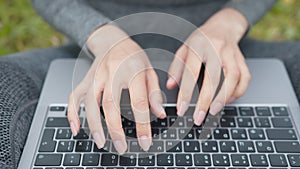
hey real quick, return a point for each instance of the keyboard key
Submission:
(203, 134)
(65, 146)
(106, 147)
(229, 111)
(90, 159)
(189, 122)
(82, 134)
(239, 160)
(165, 160)
(191, 146)
(259, 160)
(228, 122)
(210, 146)
(157, 146)
(176, 121)
(239, 134)
(263, 111)
(57, 122)
(287, 146)
(278, 160)
(57, 108)
(146, 160)
(246, 146)
(244, 122)
(221, 159)
(135, 147)
(221, 134)
(281, 134)
(294, 160)
(256, 134)
(63, 134)
(183, 160)
(83, 146)
(48, 134)
(128, 160)
(109, 160)
(74, 167)
(47, 146)
(211, 122)
(246, 111)
(173, 146)
(264, 147)
(280, 111)
(282, 122)
(127, 122)
(202, 160)
(159, 123)
(169, 133)
(48, 159)
(72, 159)
(130, 133)
(155, 133)
(186, 134)
(262, 122)
(227, 146)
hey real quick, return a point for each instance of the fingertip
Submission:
(215, 108)
(73, 128)
(171, 83)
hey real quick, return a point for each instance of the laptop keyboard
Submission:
(240, 137)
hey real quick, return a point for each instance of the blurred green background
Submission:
(22, 29)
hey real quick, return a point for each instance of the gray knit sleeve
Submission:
(253, 10)
(74, 18)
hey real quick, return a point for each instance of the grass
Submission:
(22, 29)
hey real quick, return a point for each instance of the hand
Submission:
(216, 44)
(119, 63)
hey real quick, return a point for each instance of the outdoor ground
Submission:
(22, 29)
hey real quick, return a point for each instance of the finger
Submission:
(209, 86)
(92, 110)
(75, 98)
(73, 107)
(189, 79)
(232, 76)
(245, 77)
(139, 102)
(154, 94)
(111, 107)
(177, 67)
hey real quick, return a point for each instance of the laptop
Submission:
(259, 130)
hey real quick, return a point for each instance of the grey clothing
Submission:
(79, 18)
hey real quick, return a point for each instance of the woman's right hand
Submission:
(119, 63)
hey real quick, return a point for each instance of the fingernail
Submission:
(170, 81)
(145, 142)
(163, 113)
(98, 140)
(73, 129)
(198, 117)
(215, 108)
(182, 108)
(120, 146)
(231, 99)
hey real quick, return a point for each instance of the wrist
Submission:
(230, 23)
(105, 37)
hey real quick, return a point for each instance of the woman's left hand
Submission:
(216, 44)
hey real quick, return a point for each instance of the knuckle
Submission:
(235, 72)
